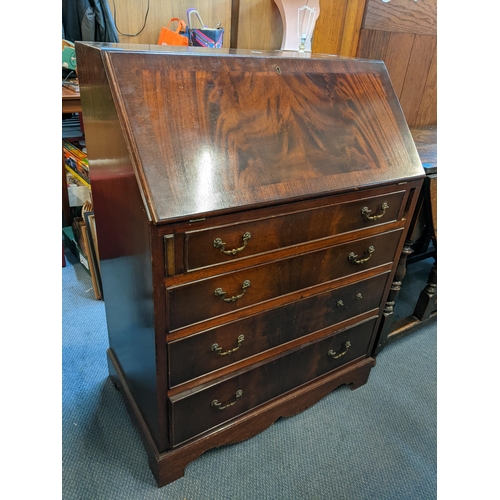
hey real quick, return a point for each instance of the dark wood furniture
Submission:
(71, 101)
(250, 209)
(421, 243)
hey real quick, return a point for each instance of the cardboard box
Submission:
(78, 191)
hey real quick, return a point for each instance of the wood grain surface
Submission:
(397, 57)
(419, 65)
(427, 112)
(259, 25)
(289, 230)
(403, 16)
(337, 27)
(275, 279)
(411, 61)
(250, 129)
(124, 245)
(426, 142)
(194, 413)
(402, 33)
(130, 16)
(271, 328)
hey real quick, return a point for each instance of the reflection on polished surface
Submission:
(205, 182)
(252, 130)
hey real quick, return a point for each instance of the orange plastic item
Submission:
(170, 37)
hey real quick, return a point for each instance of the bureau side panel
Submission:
(124, 235)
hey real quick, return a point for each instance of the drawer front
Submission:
(203, 410)
(222, 244)
(224, 294)
(222, 346)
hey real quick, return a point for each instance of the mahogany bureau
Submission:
(250, 208)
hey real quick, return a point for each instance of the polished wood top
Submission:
(212, 131)
(69, 94)
(426, 142)
(70, 101)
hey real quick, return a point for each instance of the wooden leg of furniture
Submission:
(169, 465)
(427, 302)
(425, 309)
(423, 229)
(387, 321)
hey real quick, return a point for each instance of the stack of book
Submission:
(77, 174)
(76, 159)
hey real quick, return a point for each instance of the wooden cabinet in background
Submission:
(250, 210)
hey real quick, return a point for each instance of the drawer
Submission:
(222, 244)
(200, 300)
(196, 412)
(225, 345)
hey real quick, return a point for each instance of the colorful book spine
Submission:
(76, 160)
(77, 176)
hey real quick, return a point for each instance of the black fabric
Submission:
(88, 20)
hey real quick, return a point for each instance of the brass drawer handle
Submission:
(218, 243)
(365, 211)
(355, 258)
(215, 403)
(219, 292)
(334, 355)
(218, 350)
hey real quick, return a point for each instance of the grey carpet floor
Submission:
(377, 442)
